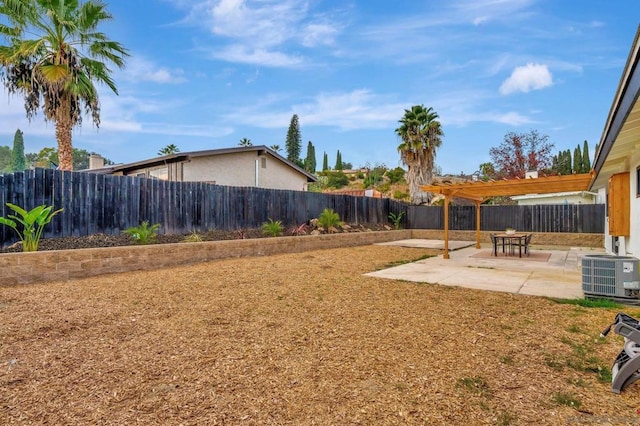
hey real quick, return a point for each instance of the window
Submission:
(159, 173)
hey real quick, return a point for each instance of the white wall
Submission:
(628, 245)
(239, 169)
(576, 198)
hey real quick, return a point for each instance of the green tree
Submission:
(54, 53)
(310, 160)
(337, 179)
(18, 161)
(5, 159)
(586, 162)
(276, 148)
(421, 135)
(577, 160)
(294, 140)
(325, 162)
(487, 171)
(338, 165)
(169, 149)
(48, 156)
(245, 142)
(396, 175)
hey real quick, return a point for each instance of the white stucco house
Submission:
(572, 197)
(617, 162)
(257, 166)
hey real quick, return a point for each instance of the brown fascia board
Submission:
(626, 97)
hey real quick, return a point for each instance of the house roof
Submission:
(621, 133)
(185, 156)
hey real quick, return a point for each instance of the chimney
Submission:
(96, 161)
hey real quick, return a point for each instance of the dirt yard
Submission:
(299, 340)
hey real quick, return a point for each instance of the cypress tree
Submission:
(325, 162)
(18, 160)
(577, 160)
(293, 144)
(586, 162)
(338, 161)
(568, 162)
(310, 160)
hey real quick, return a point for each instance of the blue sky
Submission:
(204, 74)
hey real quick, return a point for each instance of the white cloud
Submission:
(358, 109)
(527, 78)
(261, 32)
(268, 58)
(318, 34)
(140, 69)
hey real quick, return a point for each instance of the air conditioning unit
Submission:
(611, 276)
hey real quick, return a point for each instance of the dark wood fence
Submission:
(96, 203)
(581, 218)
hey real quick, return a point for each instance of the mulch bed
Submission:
(118, 240)
(300, 339)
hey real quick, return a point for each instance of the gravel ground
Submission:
(301, 339)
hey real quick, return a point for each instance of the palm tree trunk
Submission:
(417, 176)
(63, 135)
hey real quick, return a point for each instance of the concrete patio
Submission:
(559, 276)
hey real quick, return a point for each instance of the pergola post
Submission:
(477, 224)
(445, 255)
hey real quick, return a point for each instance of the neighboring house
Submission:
(617, 162)
(573, 197)
(257, 166)
(373, 193)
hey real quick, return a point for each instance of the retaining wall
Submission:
(60, 265)
(27, 268)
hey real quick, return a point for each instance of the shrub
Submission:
(32, 223)
(299, 230)
(193, 237)
(328, 218)
(396, 175)
(400, 195)
(396, 218)
(384, 187)
(143, 234)
(336, 179)
(272, 228)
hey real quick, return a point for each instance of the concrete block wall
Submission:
(27, 268)
(61, 265)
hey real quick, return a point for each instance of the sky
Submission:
(204, 74)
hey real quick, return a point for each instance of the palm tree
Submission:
(169, 149)
(421, 135)
(54, 53)
(245, 142)
(276, 148)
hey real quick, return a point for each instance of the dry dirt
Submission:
(300, 339)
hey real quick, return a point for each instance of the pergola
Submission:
(481, 191)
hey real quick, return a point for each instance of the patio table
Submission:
(510, 240)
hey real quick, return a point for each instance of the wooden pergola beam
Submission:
(480, 191)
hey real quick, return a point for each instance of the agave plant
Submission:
(143, 234)
(32, 223)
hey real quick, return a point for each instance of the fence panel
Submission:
(582, 218)
(108, 204)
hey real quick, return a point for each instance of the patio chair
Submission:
(494, 244)
(524, 244)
